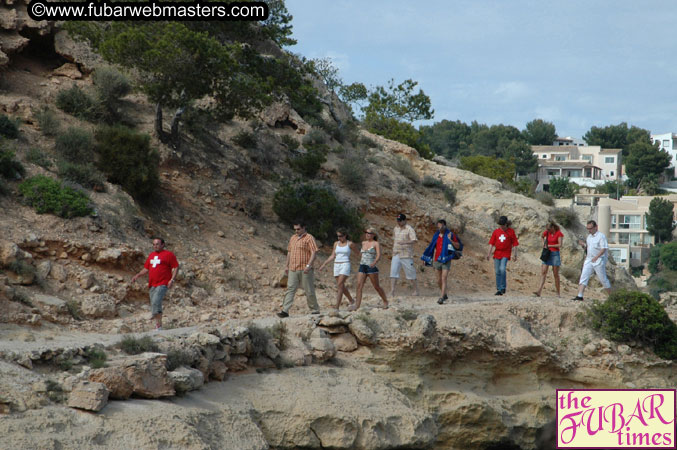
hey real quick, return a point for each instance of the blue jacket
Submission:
(447, 249)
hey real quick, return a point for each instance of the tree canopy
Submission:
(617, 136)
(539, 132)
(645, 160)
(659, 219)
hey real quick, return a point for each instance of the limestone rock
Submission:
(116, 381)
(323, 349)
(76, 51)
(99, 307)
(345, 342)
(520, 339)
(148, 374)
(44, 268)
(296, 357)
(362, 332)
(334, 321)
(203, 339)
(59, 273)
(186, 379)
(87, 280)
(218, 370)
(590, 349)
(49, 303)
(68, 70)
(9, 253)
(89, 395)
(237, 363)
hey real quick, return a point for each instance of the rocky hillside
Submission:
(471, 374)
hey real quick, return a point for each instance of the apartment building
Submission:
(624, 224)
(586, 166)
(667, 142)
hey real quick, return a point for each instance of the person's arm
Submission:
(175, 272)
(492, 249)
(377, 246)
(331, 257)
(514, 253)
(559, 243)
(286, 265)
(140, 274)
(313, 255)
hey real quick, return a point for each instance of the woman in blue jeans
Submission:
(503, 241)
(553, 236)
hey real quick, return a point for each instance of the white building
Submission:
(667, 142)
(585, 166)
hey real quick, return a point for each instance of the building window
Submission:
(588, 173)
(635, 239)
(623, 238)
(613, 221)
(611, 173)
(619, 254)
(666, 143)
(560, 158)
(544, 156)
(553, 173)
(630, 222)
(586, 158)
(609, 159)
(573, 173)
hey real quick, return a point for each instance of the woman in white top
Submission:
(341, 257)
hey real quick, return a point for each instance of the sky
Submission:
(575, 63)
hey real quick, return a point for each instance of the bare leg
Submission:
(581, 290)
(416, 292)
(544, 274)
(361, 278)
(555, 272)
(393, 282)
(374, 281)
(443, 275)
(158, 320)
(341, 290)
(439, 280)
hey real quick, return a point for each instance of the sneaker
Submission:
(440, 300)
(282, 314)
(578, 298)
(499, 292)
(502, 291)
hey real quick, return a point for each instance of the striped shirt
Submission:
(300, 251)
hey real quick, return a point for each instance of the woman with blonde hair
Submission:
(552, 240)
(371, 253)
(341, 257)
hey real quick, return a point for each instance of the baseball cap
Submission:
(401, 217)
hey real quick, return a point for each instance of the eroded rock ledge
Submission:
(461, 376)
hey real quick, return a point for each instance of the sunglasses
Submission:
(340, 235)
(369, 232)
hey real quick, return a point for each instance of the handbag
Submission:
(545, 253)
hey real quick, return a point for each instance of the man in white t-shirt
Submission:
(404, 238)
(595, 261)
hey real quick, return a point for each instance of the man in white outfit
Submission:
(595, 261)
(404, 238)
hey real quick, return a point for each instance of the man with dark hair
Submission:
(162, 268)
(596, 247)
(301, 253)
(439, 253)
(404, 238)
(502, 245)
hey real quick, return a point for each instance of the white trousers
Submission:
(599, 268)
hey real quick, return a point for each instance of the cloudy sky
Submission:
(575, 63)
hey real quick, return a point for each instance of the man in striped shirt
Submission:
(301, 253)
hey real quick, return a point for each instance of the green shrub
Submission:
(86, 175)
(404, 167)
(562, 188)
(50, 196)
(76, 102)
(4, 188)
(434, 183)
(314, 137)
(669, 256)
(245, 139)
(289, 142)
(133, 346)
(634, 316)
(73, 308)
(546, 198)
(10, 168)
(126, 158)
(110, 84)
(565, 217)
(309, 163)
(38, 157)
(318, 207)
(259, 338)
(48, 122)
(353, 174)
(658, 284)
(637, 271)
(96, 357)
(75, 145)
(8, 127)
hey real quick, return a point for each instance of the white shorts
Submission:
(405, 263)
(599, 269)
(342, 269)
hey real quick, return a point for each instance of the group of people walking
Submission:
(444, 247)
